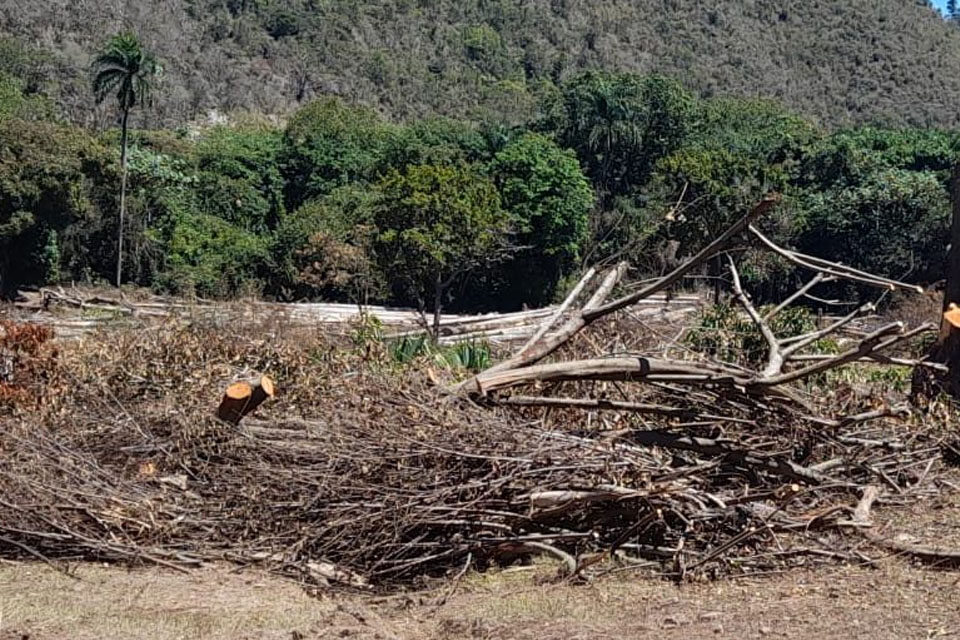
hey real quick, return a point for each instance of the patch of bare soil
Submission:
(894, 599)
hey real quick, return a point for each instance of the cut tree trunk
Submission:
(437, 309)
(927, 383)
(243, 397)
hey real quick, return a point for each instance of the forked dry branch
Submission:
(785, 363)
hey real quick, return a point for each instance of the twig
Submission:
(799, 293)
(799, 342)
(569, 563)
(596, 403)
(36, 554)
(775, 357)
(773, 464)
(941, 556)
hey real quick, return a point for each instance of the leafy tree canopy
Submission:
(434, 225)
(328, 144)
(44, 188)
(549, 199)
(620, 124)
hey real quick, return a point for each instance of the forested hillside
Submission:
(836, 62)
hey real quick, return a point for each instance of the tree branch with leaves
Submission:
(435, 225)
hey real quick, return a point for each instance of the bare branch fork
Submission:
(785, 364)
(595, 308)
(832, 269)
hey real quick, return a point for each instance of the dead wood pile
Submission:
(73, 314)
(626, 452)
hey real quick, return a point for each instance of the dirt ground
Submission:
(892, 600)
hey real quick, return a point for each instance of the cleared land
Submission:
(891, 599)
(718, 507)
(895, 600)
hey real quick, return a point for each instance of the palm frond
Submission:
(124, 67)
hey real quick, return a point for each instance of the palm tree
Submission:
(123, 67)
(605, 125)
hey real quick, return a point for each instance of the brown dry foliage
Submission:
(28, 365)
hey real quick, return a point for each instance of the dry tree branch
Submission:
(832, 268)
(796, 343)
(847, 421)
(712, 249)
(597, 403)
(552, 320)
(940, 556)
(595, 308)
(877, 358)
(799, 293)
(623, 369)
(538, 351)
(872, 343)
(707, 446)
(775, 357)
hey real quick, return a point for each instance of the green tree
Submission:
(44, 189)
(239, 176)
(434, 225)
(324, 248)
(620, 124)
(15, 103)
(440, 141)
(850, 156)
(739, 151)
(326, 145)
(549, 199)
(206, 255)
(894, 223)
(760, 129)
(125, 69)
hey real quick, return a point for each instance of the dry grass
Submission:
(894, 600)
(107, 603)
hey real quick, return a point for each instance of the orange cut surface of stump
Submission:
(239, 391)
(952, 315)
(242, 397)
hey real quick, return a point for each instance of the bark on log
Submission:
(243, 397)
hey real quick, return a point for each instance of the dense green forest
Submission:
(485, 209)
(838, 62)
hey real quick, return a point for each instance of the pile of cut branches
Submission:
(620, 454)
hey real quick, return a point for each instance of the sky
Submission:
(940, 4)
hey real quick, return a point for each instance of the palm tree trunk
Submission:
(123, 193)
(437, 308)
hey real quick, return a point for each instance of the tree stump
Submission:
(243, 397)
